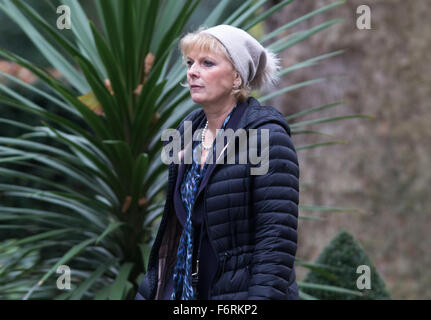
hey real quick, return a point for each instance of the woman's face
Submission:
(210, 77)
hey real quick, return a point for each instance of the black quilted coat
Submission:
(251, 219)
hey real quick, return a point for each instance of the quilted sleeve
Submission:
(140, 295)
(275, 197)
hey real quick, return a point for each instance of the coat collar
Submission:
(233, 123)
(247, 114)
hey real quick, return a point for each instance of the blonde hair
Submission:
(206, 43)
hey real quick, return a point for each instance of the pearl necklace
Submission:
(204, 131)
(203, 137)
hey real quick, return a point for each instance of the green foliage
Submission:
(87, 162)
(342, 256)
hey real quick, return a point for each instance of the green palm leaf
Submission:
(87, 181)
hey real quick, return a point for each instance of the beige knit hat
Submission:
(257, 65)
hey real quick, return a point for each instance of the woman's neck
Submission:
(216, 117)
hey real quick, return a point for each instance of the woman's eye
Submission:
(208, 63)
(189, 63)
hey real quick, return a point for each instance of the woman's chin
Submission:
(197, 99)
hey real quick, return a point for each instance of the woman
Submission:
(226, 233)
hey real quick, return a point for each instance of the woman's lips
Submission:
(195, 87)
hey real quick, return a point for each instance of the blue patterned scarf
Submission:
(183, 289)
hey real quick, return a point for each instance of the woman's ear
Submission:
(237, 81)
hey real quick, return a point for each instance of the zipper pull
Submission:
(195, 275)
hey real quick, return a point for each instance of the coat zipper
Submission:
(210, 241)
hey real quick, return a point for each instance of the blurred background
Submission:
(383, 169)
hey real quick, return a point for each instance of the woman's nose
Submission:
(193, 70)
